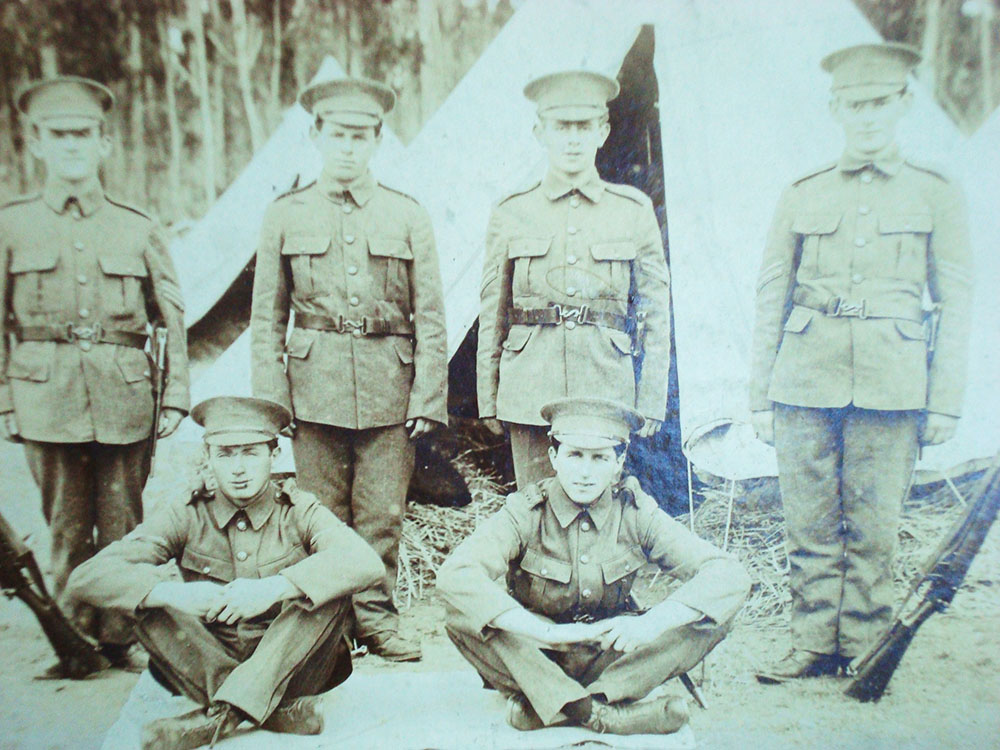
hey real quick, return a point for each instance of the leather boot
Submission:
(521, 715)
(797, 664)
(300, 716)
(191, 730)
(394, 647)
(661, 716)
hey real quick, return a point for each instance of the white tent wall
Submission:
(744, 112)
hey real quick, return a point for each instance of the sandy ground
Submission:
(945, 694)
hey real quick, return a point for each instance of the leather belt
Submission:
(841, 307)
(362, 327)
(85, 336)
(568, 314)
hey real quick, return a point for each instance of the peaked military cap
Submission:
(591, 422)
(870, 71)
(572, 94)
(237, 420)
(65, 100)
(357, 102)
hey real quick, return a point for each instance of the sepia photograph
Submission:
(549, 374)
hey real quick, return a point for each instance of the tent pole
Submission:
(690, 497)
(729, 515)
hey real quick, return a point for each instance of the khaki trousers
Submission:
(551, 679)
(91, 497)
(529, 446)
(843, 474)
(251, 666)
(362, 476)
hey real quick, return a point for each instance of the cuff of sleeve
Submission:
(314, 596)
(484, 617)
(6, 400)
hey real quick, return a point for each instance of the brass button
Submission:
(241, 525)
(574, 202)
(864, 210)
(349, 238)
(571, 290)
(241, 556)
(866, 177)
(347, 208)
(585, 526)
(584, 559)
(545, 571)
(355, 301)
(585, 593)
(81, 279)
(571, 230)
(84, 312)
(857, 278)
(356, 333)
(145, 373)
(206, 570)
(570, 324)
(571, 259)
(352, 270)
(78, 245)
(84, 345)
(859, 241)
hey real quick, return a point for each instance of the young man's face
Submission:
(572, 145)
(870, 125)
(346, 150)
(241, 471)
(585, 473)
(70, 154)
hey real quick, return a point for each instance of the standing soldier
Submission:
(575, 283)
(366, 359)
(850, 374)
(83, 277)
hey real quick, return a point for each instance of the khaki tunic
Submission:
(598, 245)
(364, 253)
(97, 262)
(877, 235)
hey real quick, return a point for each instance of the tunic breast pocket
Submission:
(390, 268)
(619, 574)
(302, 252)
(526, 253)
(614, 268)
(820, 255)
(904, 244)
(543, 583)
(37, 286)
(121, 292)
(284, 559)
(199, 566)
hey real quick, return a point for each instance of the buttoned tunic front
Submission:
(592, 244)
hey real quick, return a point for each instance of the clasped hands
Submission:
(224, 603)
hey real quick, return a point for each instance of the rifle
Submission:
(933, 591)
(159, 357)
(20, 577)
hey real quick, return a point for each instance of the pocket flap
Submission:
(299, 343)
(404, 349)
(386, 247)
(207, 566)
(528, 247)
(798, 320)
(622, 250)
(133, 364)
(517, 337)
(911, 329)
(905, 224)
(25, 261)
(32, 360)
(305, 245)
(816, 223)
(284, 560)
(546, 567)
(630, 562)
(123, 265)
(620, 341)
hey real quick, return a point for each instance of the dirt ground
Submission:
(946, 693)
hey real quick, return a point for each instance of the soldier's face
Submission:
(241, 471)
(870, 125)
(571, 145)
(346, 150)
(585, 473)
(71, 154)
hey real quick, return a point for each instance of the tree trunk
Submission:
(173, 209)
(431, 57)
(246, 54)
(274, 100)
(138, 159)
(197, 25)
(219, 110)
(932, 35)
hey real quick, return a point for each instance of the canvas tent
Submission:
(742, 112)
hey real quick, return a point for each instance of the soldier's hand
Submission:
(8, 427)
(650, 428)
(169, 421)
(247, 597)
(195, 598)
(628, 632)
(419, 427)
(493, 425)
(938, 428)
(763, 425)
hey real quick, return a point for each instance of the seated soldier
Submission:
(563, 638)
(256, 629)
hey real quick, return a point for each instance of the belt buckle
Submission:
(84, 336)
(571, 314)
(357, 328)
(851, 309)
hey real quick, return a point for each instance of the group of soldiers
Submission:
(850, 376)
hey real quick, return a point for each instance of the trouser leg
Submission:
(529, 446)
(809, 446)
(324, 465)
(120, 473)
(295, 637)
(64, 473)
(880, 450)
(383, 464)
(513, 664)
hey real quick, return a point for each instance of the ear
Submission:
(538, 130)
(35, 143)
(275, 453)
(106, 146)
(552, 456)
(605, 132)
(313, 132)
(833, 105)
(621, 460)
(906, 101)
